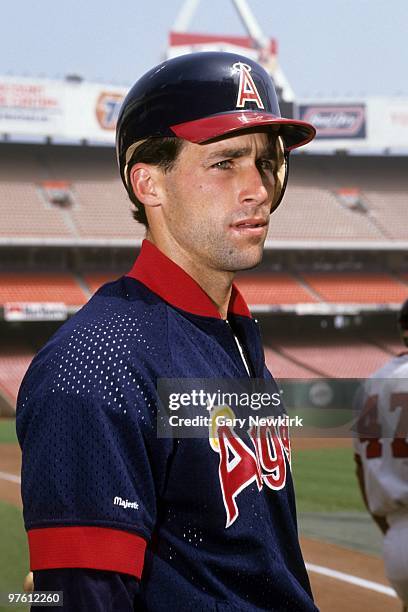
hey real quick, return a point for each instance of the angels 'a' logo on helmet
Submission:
(247, 91)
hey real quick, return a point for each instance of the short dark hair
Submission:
(162, 152)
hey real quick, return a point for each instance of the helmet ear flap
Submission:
(128, 158)
(281, 173)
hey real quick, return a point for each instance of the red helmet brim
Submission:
(294, 133)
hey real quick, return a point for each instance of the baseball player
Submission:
(118, 518)
(381, 454)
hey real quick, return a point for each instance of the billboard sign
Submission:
(59, 110)
(336, 121)
(107, 109)
(34, 104)
(181, 43)
(35, 311)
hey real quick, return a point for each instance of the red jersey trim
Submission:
(165, 278)
(87, 547)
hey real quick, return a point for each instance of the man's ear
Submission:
(146, 181)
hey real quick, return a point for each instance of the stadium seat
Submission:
(273, 289)
(331, 357)
(94, 281)
(357, 288)
(46, 287)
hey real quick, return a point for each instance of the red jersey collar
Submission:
(165, 278)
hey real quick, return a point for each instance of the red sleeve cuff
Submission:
(87, 547)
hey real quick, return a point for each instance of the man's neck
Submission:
(216, 283)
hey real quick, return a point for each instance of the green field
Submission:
(325, 481)
(13, 552)
(329, 503)
(8, 431)
(13, 547)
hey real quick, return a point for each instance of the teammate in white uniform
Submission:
(381, 447)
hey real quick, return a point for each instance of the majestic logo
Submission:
(241, 465)
(125, 503)
(247, 91)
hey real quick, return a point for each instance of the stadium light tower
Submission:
(185, 15)
(250, 23)
(262, 42)
(264, 48)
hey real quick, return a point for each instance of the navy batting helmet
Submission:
(200, 97)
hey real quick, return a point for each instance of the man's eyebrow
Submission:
(233, 153)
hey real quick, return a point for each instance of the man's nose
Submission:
(253, 189)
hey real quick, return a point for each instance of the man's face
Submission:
(217, 201)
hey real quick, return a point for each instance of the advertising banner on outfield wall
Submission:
(60, 110)
(372, 125)
(35, 311)
(336, 120)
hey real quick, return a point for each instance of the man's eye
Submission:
(267, 165)
(225, 164)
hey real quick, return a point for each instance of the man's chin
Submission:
(245, 262)
(248, 266)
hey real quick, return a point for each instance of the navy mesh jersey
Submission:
(100, 489)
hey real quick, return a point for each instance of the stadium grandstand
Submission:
(326, 292)
(335, 269)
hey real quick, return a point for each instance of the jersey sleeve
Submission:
(85, 590)
(93, 467)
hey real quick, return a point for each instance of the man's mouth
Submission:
(253, 226)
